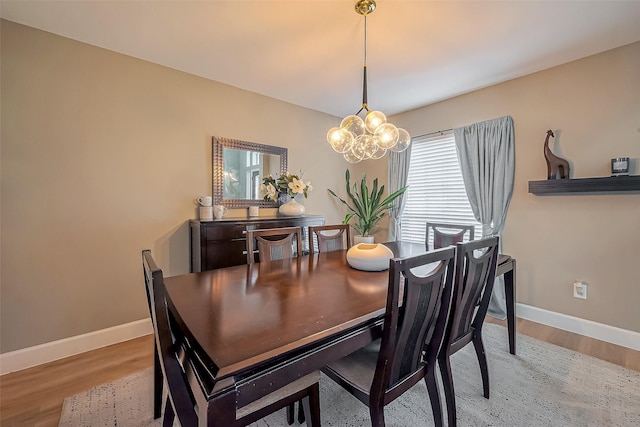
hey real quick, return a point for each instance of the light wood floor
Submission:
(33, 397)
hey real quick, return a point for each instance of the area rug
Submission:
(543, 385)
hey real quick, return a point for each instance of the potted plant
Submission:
(367, 207)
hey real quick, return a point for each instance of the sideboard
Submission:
(223, 242)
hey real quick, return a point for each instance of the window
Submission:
(436, 190)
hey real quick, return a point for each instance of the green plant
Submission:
(368, 207)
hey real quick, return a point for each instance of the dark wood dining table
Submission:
(255, 328)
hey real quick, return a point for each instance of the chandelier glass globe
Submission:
(386, 135)
(340, 139)
(353, 124)
(404, 139)
(349, 157)
(373, 120)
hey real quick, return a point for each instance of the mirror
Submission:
(238, 169)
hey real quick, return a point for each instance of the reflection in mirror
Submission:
(238, 170)
(244, 170)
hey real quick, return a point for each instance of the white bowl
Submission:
(369, 257)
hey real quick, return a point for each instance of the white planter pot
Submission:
(362, 239)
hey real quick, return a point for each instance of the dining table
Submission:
(256, 328)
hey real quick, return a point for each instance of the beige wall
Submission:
(593, 105)
(103, 156)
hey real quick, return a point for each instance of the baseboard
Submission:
(588, 328)
(49, 352)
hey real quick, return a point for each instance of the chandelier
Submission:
(369, 138)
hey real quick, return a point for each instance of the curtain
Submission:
(397, 172)
(486, 152)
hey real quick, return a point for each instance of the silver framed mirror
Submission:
(238, 170)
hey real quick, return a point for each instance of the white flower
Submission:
(268, 191)
(297, 186)
(285, 184)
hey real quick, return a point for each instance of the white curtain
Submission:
(397, 172)
(486, 152)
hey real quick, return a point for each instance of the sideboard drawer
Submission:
(230, 232)
(222, 243)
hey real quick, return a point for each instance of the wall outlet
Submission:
(580, 290)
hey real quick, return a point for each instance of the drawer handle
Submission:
(244, 252)
(244, 231)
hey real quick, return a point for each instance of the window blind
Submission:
(436, 190)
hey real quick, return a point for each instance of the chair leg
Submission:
(169, 415)
(311, 405)
(510, 294)
(377, 416)
(158, 383)
(449, 391)
(300, 412)
(482, 361)
(290, 411)
(434, 397)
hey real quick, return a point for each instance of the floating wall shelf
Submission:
(609, 184)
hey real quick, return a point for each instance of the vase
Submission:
(291, 208)
(362, 239)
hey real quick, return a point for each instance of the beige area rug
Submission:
(543, 385)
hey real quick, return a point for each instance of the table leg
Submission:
(510, 293)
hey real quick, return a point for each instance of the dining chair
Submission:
(407, 352)
(341, 239)
(448, 234)
(472, 287)
(178, 365)
(270, 244)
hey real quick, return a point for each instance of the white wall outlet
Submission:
(580, 290)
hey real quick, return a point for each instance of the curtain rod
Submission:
(441, 132)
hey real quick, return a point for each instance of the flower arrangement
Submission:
(286, 183)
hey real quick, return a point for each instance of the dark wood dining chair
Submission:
(411, 337)
(178, 365)
(473, 284)
(270, 244)
(448, 234)
(338, 238)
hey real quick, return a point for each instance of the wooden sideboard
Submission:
(223, 242)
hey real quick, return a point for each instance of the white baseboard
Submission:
(588, 328)
(44, 353)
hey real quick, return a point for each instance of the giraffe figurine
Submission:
(555, 165)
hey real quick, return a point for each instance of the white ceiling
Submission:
(310, 53)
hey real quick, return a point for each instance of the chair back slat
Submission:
(413, 333)
(476, 264)
(273, 244)
(339, 239)
(445, 234)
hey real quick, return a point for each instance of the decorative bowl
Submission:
(369, 257)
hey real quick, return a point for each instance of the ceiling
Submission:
(310, 53)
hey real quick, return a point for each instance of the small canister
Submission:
(620, 166)
(206, 213)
